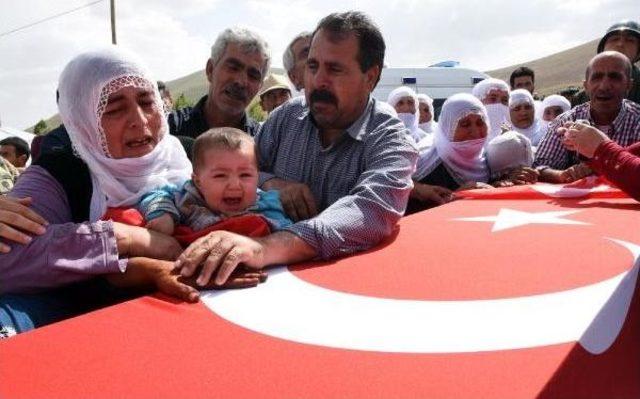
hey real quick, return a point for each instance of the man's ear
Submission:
(371, 76)
(22, 159)
(209, 70)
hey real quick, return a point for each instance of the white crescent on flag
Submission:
(292, 309)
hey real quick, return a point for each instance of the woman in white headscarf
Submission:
(522, 115)
(113, 112)
(427, 117)
(552, 107)
(456, 160)
(405, 101)
(494, 94)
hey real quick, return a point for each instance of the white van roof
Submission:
(437, 82)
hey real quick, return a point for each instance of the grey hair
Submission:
(249, 42)
(288, 58)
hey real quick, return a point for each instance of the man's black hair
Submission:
(371, 45)
(520, 72)
(21, 146)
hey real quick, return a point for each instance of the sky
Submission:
(174, 37)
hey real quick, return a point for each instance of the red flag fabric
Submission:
(589, 187)
(495, 298)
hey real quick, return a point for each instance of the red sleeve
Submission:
(621, 166)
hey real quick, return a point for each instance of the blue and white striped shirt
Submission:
(361, 183)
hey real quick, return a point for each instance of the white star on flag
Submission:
(510, 218)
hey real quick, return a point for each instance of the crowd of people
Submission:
(126, 198)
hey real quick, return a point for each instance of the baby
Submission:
(224, 184)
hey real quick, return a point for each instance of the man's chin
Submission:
(232, 106)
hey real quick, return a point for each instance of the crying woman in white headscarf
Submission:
(405, 101)
(456, 160)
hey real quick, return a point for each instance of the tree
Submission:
(182, 102)
(256, 112)
(41, 127)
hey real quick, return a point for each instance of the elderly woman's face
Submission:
(425, 113)
(496, 96)
(406, 105)
(471, 127)
(131, 122)
(550, 113)
(522, 115)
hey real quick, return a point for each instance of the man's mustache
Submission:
(323, 96)
(236, 92)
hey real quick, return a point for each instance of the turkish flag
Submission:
(497, 298)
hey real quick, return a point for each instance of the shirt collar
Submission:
(624, 109)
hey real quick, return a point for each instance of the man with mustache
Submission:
(341, 161)
(238, 64)
(607, 82)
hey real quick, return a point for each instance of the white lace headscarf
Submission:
(430, 126)
(85, 85)
(410, 120)
(498, 113)
(536, 130)
(463, 159)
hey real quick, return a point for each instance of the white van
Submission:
(436, 81)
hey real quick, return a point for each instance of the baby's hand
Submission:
(163, 224)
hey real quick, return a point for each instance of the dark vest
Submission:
(73, 175)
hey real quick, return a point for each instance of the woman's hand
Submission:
(138, 241)
(518, 176)
(161, 275)
(145, 272)
(15, 219)
(428, 193)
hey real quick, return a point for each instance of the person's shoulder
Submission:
(183, 121)
(384, 126)
(56, 139)
(179, 116)
(632, 108)
(285, 117)
(296, 107)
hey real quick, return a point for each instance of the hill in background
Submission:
(557, 71)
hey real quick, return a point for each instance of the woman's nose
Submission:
(137, 117)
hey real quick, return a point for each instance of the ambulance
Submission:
(438, 81)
